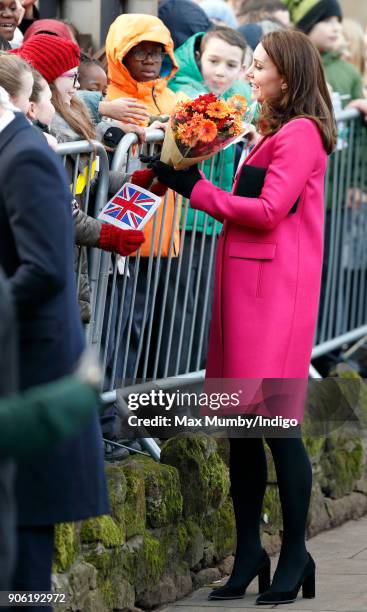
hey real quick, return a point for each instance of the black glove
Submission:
(182, 181)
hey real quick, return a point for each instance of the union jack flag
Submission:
(130, 206)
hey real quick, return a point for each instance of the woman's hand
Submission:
(181, 181)
(127, 110)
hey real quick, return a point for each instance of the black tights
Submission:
(248, 474)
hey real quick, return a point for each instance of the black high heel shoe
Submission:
(306, 581)
(238, 592)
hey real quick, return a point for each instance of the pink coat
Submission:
(269, 262)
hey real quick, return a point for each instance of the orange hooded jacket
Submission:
(126, 32)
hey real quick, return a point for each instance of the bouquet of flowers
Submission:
(200, 128)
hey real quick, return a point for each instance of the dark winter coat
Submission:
(36, 252)
(8, 370)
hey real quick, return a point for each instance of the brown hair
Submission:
(307, 95)
(12, 71)
(76, 115)
(39, 84)
(229, 35)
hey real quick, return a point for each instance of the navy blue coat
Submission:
(36, 253)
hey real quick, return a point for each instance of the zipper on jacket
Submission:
(154, 96)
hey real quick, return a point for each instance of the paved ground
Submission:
(341, 578)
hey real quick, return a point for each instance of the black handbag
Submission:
(251, 182)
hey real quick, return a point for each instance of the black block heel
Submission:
(238, 592)
(264, 576)
(308, 587)
(306, 581)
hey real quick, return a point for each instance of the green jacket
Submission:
(37, 419)
(188, 79)
(343, 77)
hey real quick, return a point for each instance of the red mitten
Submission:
(146, 178)
(143, 178)
(123, 242)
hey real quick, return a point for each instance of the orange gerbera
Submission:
(237, 126)
(238, 103)
(217, 109)
(187, 135)
(208, 131)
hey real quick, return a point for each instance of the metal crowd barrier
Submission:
(343, 303)
(150, 315)
(88, 169)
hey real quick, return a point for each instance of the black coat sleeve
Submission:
(39, 210)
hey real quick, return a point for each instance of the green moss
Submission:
(143, 560)
(203, 475)
(342, 465)
(219, 528)
(182, 537)
(117, 489)
(162, 493)
(135, 510)
(102, 529)
(65, 547)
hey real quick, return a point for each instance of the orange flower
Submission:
(237, 126)
(217, 110)
(238, 103)
(208, 131)
(187, 135)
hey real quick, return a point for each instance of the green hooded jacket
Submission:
(188, 79)
(343, 77)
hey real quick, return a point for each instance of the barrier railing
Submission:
(343, 304)
(151, 312)
(87, 166)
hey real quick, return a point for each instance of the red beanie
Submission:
(48, 26)
(50, 55)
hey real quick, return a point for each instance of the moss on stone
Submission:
(117, 490)
(195, 543)
(203, 475)
(162, 493)
(135, 510)
(219, 528)
(102, 529)
(65, 547)
(342, 465)
(143, 560)
(182, 537)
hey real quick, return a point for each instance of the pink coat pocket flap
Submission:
(252, 250)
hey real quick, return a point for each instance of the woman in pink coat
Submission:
(268, 272)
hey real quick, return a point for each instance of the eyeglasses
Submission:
(72, 75)
(142, 56)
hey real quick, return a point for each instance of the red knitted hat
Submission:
(50, 55)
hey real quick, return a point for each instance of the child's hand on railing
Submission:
(127, 110)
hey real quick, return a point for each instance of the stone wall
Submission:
(172, 525)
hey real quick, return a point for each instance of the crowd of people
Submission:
(53, 91)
